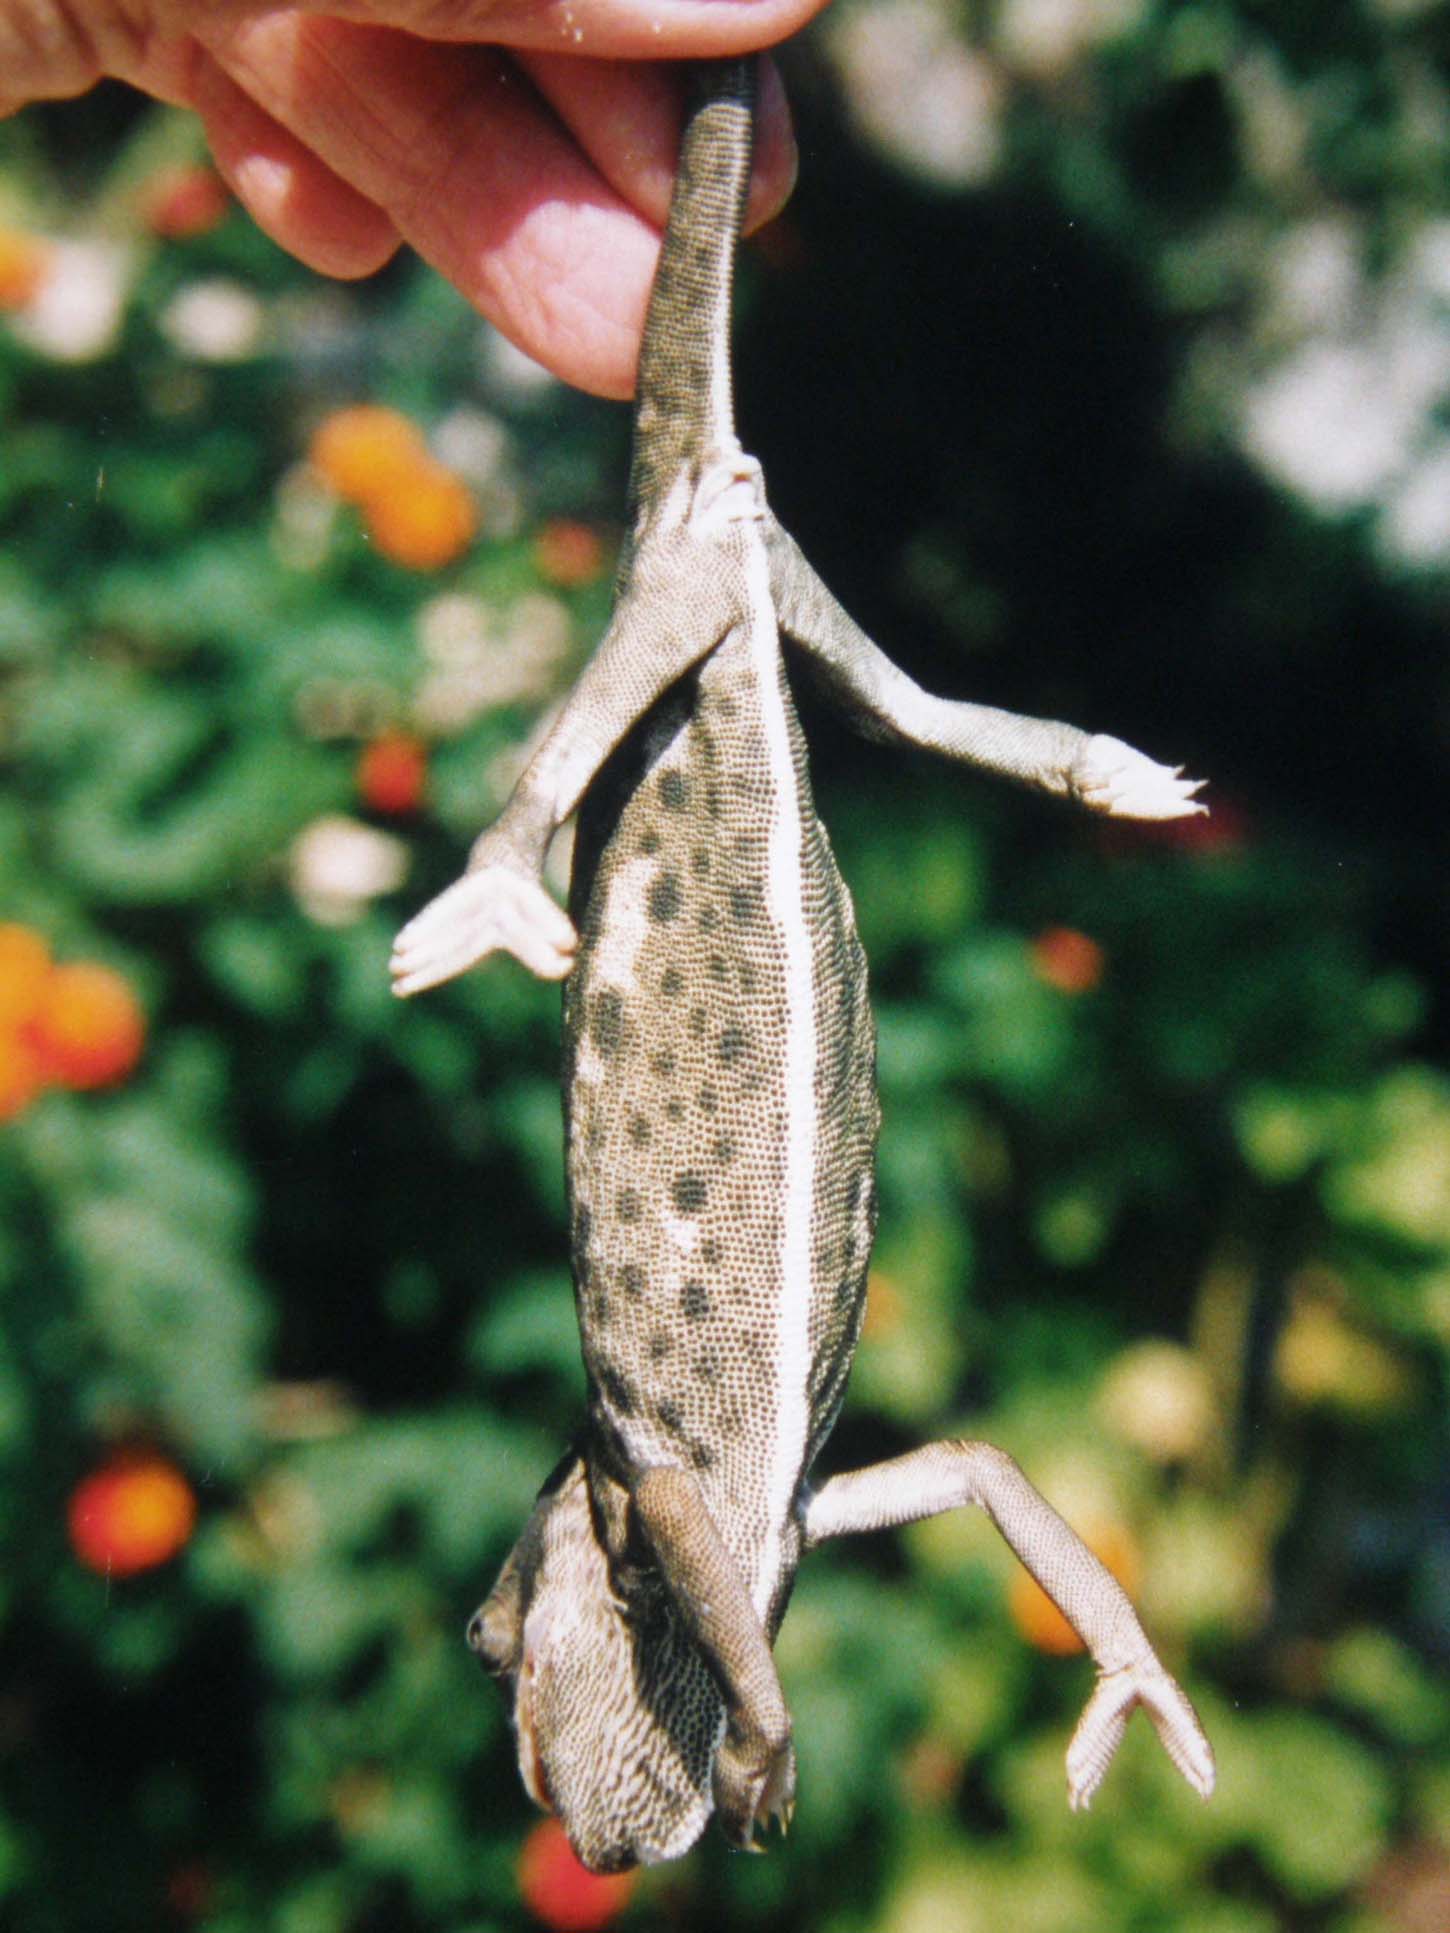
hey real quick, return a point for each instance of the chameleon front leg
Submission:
(943, 1476)
(1092, 769)
(754, 1772)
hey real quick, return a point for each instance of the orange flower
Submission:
(24, 265)
(560, 1890)
(130, 1515)
(568, 553)
(178, 203)
(365, 449)
(1038, 1618)
(24, 970)
(1067, 959)
(21, 1076)
(88, 1030)
(425, 518)
(392, 773)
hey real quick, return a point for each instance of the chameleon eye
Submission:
(493, 1635)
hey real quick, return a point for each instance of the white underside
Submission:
(785, 905)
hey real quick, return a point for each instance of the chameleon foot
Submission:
(480, 914)
(753, 1786)
(1101, 1727)
(1114, 779)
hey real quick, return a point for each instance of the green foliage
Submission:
(1166, 1165)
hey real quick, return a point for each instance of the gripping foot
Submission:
(754, 1785)
(1114, 779)
(493, 910)
(1101, 1727)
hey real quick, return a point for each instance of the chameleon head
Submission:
(616, 1718)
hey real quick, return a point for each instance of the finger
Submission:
(627, 119)
(288, 190)
(456, 148)
(602, 29)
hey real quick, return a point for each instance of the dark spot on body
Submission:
(709, 1100)
(662, 1063)
(747, 977)
(665, 899)
(732, 1045)
(674, 1109)
(669, 1415)
(744, 903)
(706, 1367)
(671, 981)
(709, 918)
(649, 841)
(689, 1192)
(723, 1149)
(606, 1022)
(599, 1309)
(674, 790)
(660, 1345)
(699, 1021)
(695, 1300)
(631, 1280)
(712, 801)
(628, 1206)
(640, 1131)
(617, 1389)
(700, 862)
(583, 1228)
(718, 968)
(709, 1253)
(701, 1455)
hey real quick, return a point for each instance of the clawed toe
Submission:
(1115, 779)
(751, 1796)
(1100, 1730)
(484, 912)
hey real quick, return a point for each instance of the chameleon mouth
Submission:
(531, 1764)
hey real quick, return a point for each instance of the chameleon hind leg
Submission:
(1089, 768)
(943, 1476)
(684, 594)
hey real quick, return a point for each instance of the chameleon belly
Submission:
(722, 1108)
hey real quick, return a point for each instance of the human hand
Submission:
(524, 147)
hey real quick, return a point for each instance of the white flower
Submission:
(482, 658)
(924, 96)
(1329, 423)
(214, 321)
(1416, 525)
(338, 865)
(76, 313)
(1045, 37)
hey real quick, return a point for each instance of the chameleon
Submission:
(721, 1116)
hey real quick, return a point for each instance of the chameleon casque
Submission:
(721, 1113)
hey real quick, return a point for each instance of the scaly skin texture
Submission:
(720, 1100)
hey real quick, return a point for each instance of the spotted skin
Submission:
(680, 1022)
(721, 1111)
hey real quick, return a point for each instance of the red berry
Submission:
(180, 202)
(559, 1889)
(131, 1515)
(1067, 959)
(392, 773)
